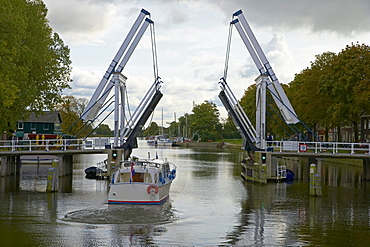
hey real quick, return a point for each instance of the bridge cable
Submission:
(154, 51)
(228, 52)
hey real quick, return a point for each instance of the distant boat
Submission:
(164, 142)
(142, 182)
(152, 142)
(161, 142)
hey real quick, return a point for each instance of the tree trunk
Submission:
(339, 128)
(355, 130)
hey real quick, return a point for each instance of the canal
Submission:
(209, 205)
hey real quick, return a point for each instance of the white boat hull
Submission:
(137, 193)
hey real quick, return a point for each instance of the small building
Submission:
(46, 125)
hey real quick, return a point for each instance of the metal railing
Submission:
(57, 144)
(319, 147)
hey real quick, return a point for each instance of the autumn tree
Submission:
(71, 109)
(312, 107)
(335, 90)
(34, 61)
(348, 85)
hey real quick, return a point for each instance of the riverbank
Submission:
(210, 145)
(226, 145)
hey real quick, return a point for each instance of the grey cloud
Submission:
(177, 16)
(345, 17)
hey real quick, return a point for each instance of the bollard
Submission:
(315, 182)
(52, 183)
(312, 179)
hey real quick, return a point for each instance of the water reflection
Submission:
(284, 214)
(209, 205)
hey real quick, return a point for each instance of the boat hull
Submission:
(138, 193)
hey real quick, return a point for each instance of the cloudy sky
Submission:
(191, 39)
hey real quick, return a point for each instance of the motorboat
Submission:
(146, 181)
(97, 172)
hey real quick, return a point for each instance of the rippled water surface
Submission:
(209, 205)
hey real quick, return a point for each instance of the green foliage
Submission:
(274, 123)
(173, 130)
(185, 125)
(205, 120)
(335, 89)
(34, 62)
(70, 110)
(104, 130)
(229, 129)
(152, 130)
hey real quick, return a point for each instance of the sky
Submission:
(191, 40)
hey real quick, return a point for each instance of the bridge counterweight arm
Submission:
(96, 101)
(126, 57)
(264, 67)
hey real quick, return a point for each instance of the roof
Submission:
(45, 117)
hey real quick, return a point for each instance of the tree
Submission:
(348, 85)
(173, 130)
(34, 62)
(152, 130)
(310, 104)
(229, 130)
(104, 130)
(70, 110)
(185, 126)
(205, 120)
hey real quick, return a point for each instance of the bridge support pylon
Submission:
(10, 165)
(264, 168)
(366, 169)
(114, 160)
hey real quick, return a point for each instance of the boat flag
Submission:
(132, 171)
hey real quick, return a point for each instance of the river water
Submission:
(209, 205)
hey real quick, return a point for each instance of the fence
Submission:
(57, 144)
(319, 147)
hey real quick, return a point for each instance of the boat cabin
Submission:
(144, 172)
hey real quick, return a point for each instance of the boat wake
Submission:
(124, 214)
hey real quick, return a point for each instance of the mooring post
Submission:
(315, 180)
(318, 179)
(312, 179)
(52, 183)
